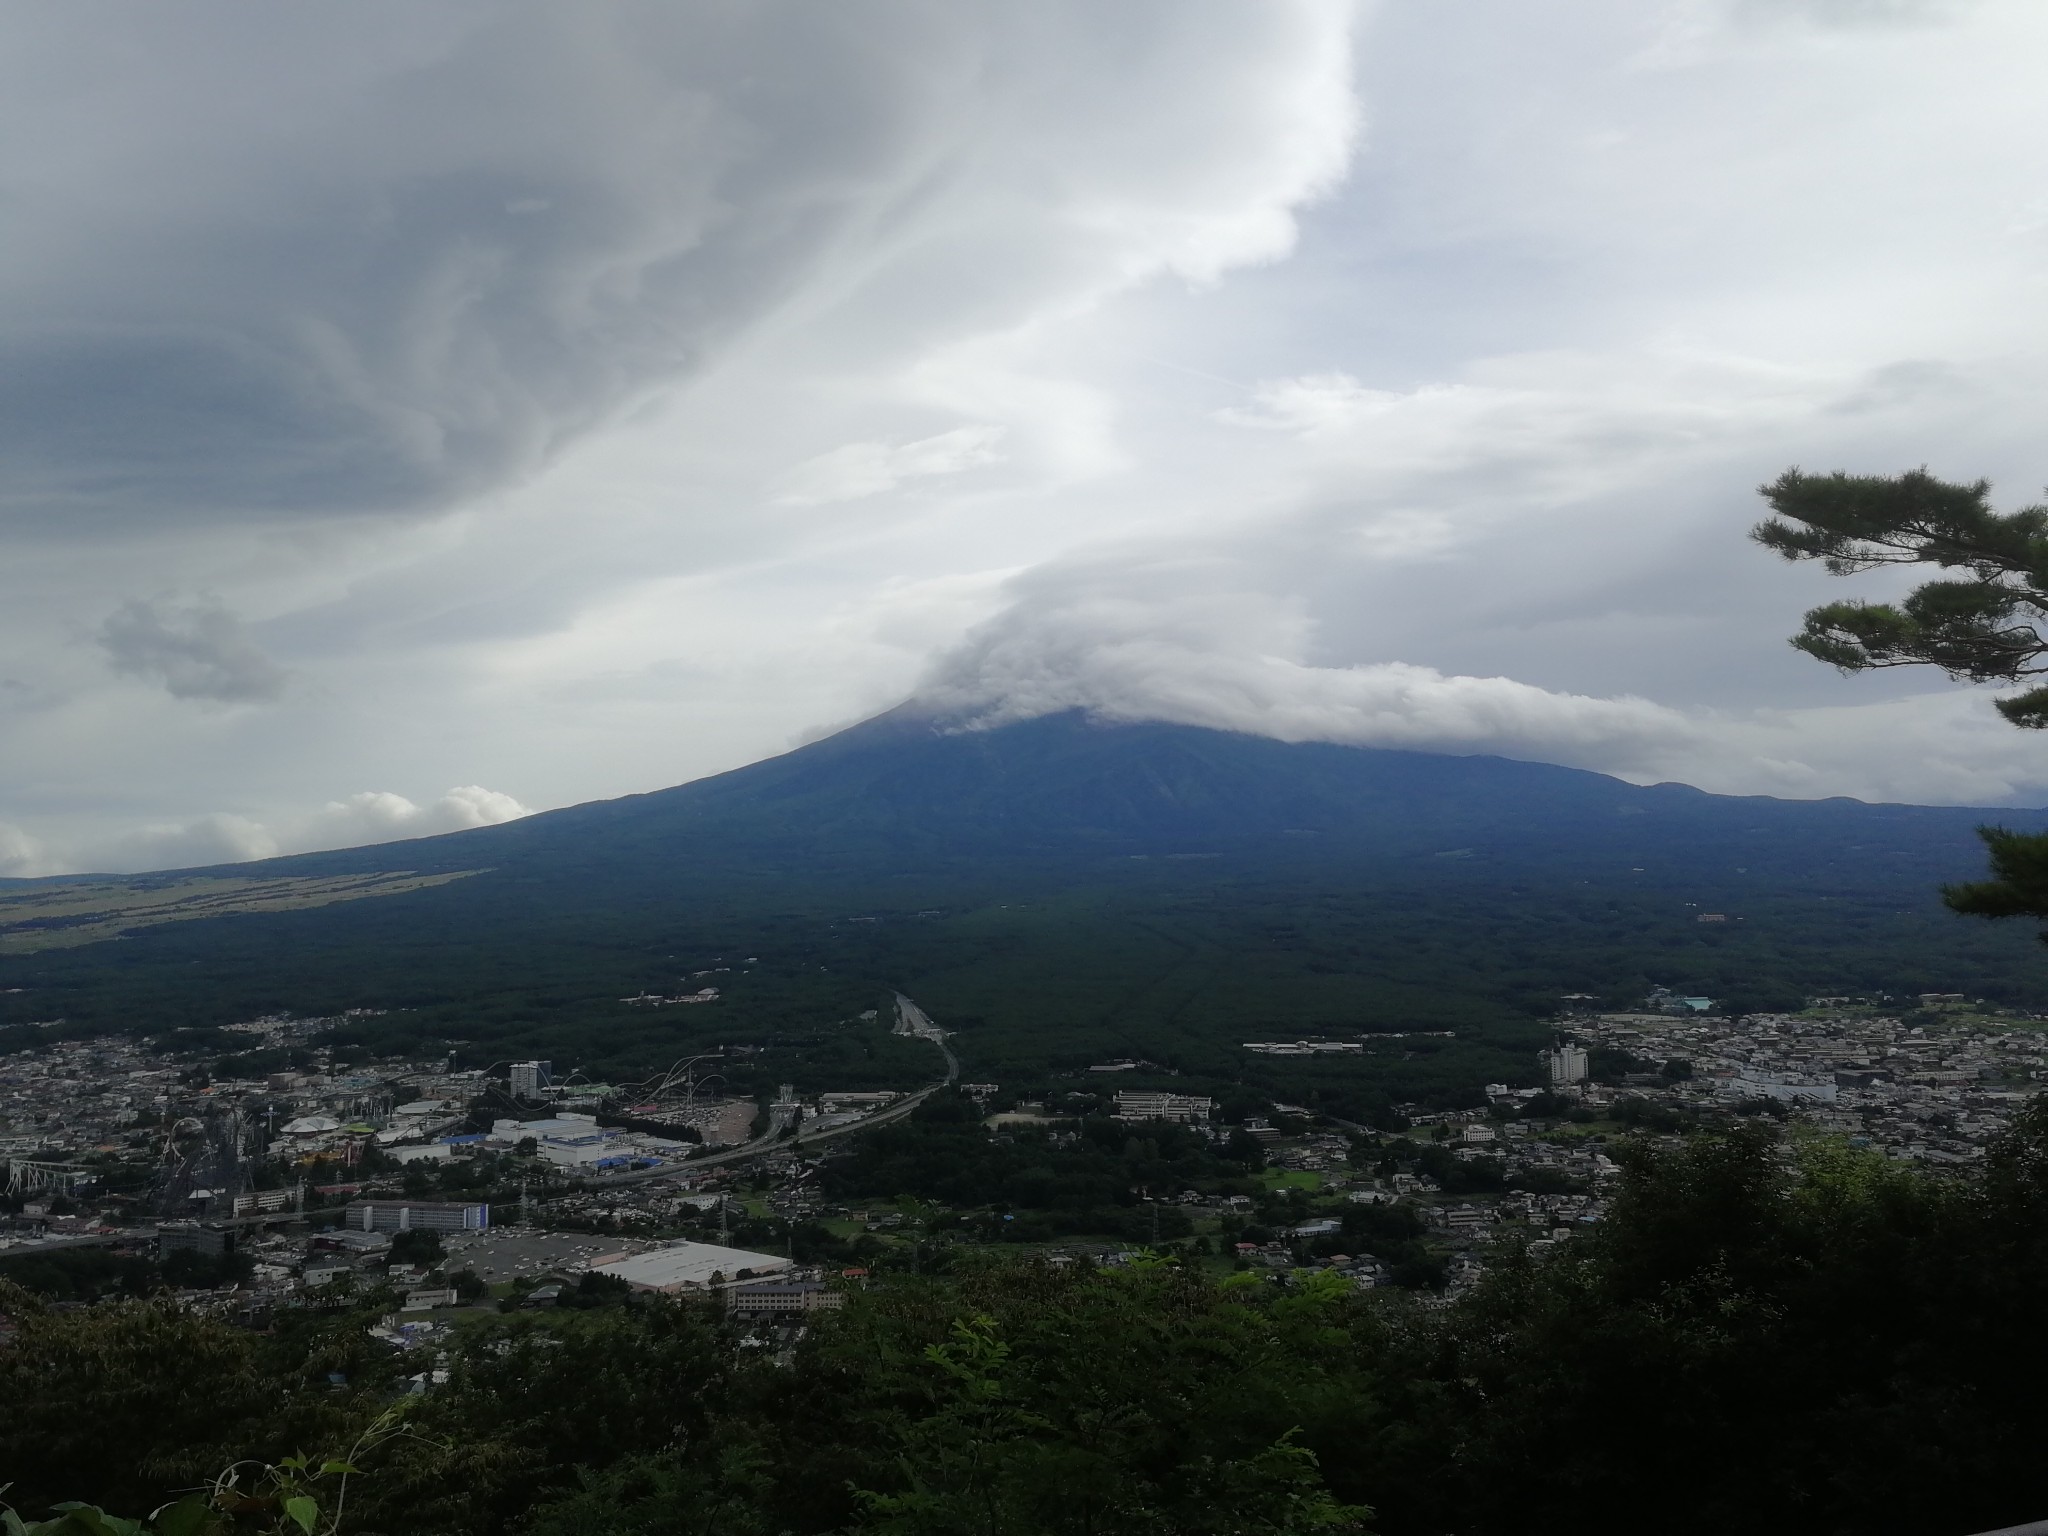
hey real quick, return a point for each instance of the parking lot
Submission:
(509, 1255)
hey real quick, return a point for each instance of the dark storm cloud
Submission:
(298, 259)
(772, 350)
(196, 651)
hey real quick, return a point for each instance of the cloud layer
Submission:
(1233, 662)
(577, 400)
(859, 470)
(195, 650)
(384, 259)
(374, 816)
(1202, 663)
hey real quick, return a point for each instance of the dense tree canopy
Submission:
(1981, 623)
(1824, 1344)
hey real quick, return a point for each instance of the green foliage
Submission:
(71, 1519)
(1861, 1340)
(294, 1496)
(1089, 1176)
(1828, 1327)
(81, 1274)
(1984, 626)
(534, 1397)
(416, 1245)
(179, 1395)
(1059, 893)
(988, 1457)
(2018, 886)
(594, 1290)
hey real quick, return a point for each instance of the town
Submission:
(439, 1189)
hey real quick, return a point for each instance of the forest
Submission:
(1059, 893)
(1451, 983)
(1821, 1343)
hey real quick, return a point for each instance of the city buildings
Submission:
(407, 1216)
(677, 1267)
(1567, 1065)
(1184, 1109)
(792, 1299)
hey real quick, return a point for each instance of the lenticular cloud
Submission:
(1025, 664)
(1116, 642)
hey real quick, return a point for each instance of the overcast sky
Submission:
(415, 415)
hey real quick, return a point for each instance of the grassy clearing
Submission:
(1291, 1178)
(64, 916)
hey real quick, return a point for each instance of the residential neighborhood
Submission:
(451, 1187)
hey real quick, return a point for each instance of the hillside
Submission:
(1057, 891)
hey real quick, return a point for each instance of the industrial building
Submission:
(406, 1216)
(688, 1267)
(1184, 1109)
(790, 1299)
(571, 1140)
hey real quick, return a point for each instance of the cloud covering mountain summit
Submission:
(1230, 663)
(581, 399)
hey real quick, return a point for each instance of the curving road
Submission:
(913, 1020)
(910, 1020)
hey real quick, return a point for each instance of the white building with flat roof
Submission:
(1185, 1109)
(688, 1266)
(566, 1140)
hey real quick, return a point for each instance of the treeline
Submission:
(1832, 1345)
(93, 1273)
(1046, 970)
(1093, 1175)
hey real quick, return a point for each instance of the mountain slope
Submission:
(1059, 890)
(910, 792)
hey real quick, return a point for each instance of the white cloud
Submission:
(1231, 662)
(203, 840)
(1189, 662)
(21, 856)
(296, 289)
(868, 469)
(1939, 748)
(1459, 449)
(376, 816)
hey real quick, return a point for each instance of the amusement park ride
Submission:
(680, 1096)
(26, 1177)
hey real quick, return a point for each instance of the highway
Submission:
(910, 1020)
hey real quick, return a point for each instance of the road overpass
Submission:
(910, 1020)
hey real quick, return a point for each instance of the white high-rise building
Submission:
(1568, 1064)
(530, 1078)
